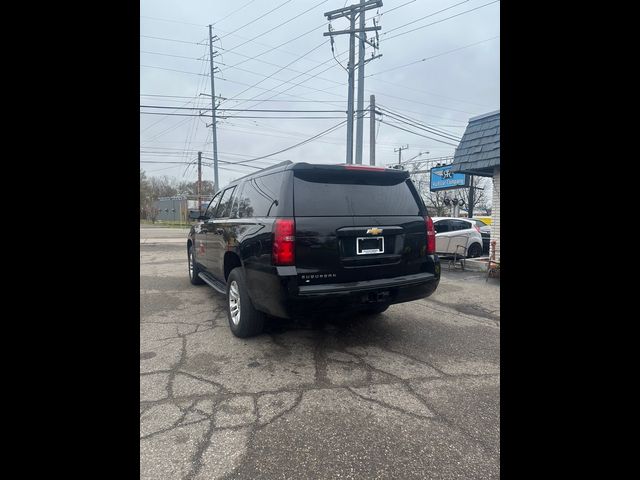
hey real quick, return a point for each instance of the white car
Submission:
(452, 233)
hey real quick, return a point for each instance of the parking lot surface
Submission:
(411, 393)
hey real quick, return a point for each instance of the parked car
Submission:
(484, 228)
(298, 238)
(484, 219)
(452, 232)
(485, 231)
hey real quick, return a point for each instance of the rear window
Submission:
(353, 195)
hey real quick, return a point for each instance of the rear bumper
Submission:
(293, 300)
(341, 289)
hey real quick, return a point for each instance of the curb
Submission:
(476, 265)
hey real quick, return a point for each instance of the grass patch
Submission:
(166, 224)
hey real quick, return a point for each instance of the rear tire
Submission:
(194, 270)
(244, 319)
(475, 250)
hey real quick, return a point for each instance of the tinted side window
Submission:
(237, 199)
(259, 196)
(226, 201)
(212, 206)
(460, 225)
(442, 226)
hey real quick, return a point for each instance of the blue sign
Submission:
(442, 178)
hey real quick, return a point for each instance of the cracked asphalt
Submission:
(411, 393)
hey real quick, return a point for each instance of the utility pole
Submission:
(199, 183)
(360, 110)
(372, 130)
(350, 67)
(471, 196)
(399, 150)
(216, 185)
(350, 12)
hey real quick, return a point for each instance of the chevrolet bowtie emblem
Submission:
(374, 231)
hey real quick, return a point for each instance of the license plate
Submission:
(369, 245)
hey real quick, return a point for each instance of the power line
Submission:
(439, 21)
(463, 123)
(234, 116)
(257, 59)
(310, 139)
(411, 100)
(203, 163)
(282, 68)
(171, 40)
(426, 16)
(234, 81)
(415, 120)
(172, 21)
(277, 26)
(181, 122)
(424, 128)
(258, 18)
(175, 70)
(415, 133)
(175, 150)
(247, 99)
(177, 99)
(266, 77)
(189, 163)
(298, 84)
(433, 56)
(336, 142)
(431, 93)
(421, 126)
(242, 109)
(270, 47)
(399, 6)
(280, 45)
(169, 55)
(235, 11)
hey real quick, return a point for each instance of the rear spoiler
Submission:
(314, 167)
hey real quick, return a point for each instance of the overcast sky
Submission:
(441, 92)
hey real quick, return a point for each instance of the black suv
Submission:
(298, 238)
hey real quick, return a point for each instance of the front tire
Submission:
(194, 270)
(244, 319)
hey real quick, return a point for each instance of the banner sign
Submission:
(442, 178)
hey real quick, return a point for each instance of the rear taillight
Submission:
(477, 228)
(284, 242)
(431, 236)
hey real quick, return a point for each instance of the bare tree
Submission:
(162, 187)
(480, 196)
(435, 199)
(191, 188)
(435, 204)
(153, 213)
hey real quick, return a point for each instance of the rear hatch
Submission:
(356, 223)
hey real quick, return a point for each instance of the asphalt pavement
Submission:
(411, 393)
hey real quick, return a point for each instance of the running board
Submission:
(213, 283)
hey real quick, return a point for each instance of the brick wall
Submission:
(495, 212)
